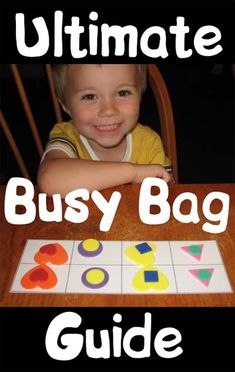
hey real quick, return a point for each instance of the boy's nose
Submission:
(108, 107)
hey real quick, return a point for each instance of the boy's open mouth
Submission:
(107, 127)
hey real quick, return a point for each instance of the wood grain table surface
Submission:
(126, 226)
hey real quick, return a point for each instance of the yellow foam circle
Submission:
(91, 245)
(95, 276)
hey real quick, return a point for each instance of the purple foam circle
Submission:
(85, 253)
(98, 285)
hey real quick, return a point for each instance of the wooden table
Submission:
(126, 226)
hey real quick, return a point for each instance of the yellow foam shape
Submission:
(139, 284)
(95, 276)
(91, 245)
(143, 259)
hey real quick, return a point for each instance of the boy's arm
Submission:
(60, 174)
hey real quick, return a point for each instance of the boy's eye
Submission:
(124, 93)
(89, 97)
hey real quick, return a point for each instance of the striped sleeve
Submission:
(61, 144)
(62, 138)
(168, 168)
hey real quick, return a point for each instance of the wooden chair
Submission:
(160, 93)
(165, 111)
(29, 115)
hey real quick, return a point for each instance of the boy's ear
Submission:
(65, 108)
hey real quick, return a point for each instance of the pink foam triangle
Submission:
(194, 272)
(196, 256)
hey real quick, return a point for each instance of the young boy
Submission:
(103, 145)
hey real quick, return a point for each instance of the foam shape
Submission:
(90, 248)
(203, 275)
(41, 276)
(143, 248)
(142, 254)
(194, 250)
(150, 278)
(53, 253)
(95, 277)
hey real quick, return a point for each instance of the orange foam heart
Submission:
(41, 276)
(53, 253)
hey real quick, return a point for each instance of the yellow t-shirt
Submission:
(144, 146)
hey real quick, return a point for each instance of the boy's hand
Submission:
(150, 170)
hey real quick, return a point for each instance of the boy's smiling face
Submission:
(103, 101)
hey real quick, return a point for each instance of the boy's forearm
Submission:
(64, 175)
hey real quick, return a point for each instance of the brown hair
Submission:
(59, 78)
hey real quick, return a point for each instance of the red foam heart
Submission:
(49, 249)
(54, 253)
(41, 276)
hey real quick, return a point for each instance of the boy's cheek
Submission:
(130, 109)
(80, 116)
